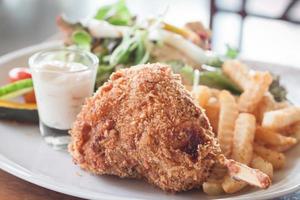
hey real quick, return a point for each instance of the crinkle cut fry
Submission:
(281, 118)
(271, 137)
(237, 72)
(242, 152)
(250, 98)
(227, 116)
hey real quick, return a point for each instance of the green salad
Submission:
(121, 40)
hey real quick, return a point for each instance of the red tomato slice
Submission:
(19, 73)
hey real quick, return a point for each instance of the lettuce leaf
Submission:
(231, 52)
(116, 14)
(82, 39)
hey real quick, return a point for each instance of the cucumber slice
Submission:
(16, 89)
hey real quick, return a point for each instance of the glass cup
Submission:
(62, 79)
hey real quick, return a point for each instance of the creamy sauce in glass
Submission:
(61, 89)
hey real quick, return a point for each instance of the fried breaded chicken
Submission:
(143, 124)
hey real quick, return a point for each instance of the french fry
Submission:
(213, 188)
(263, 165)
(281, 148)
(296, 132)
(267, 103)
(228, 115)
(202, 94)
(290, 130)
(281, 105)
(231, 185)
(275, 158)
(237, 72)
(281, 118)
(270, 137)
(243, 138)
(212, 110)
(215, 92)
(242, 152)
(287, 131)
(255, 91)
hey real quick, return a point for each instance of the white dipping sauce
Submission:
(61, 89)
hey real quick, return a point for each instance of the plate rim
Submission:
(16, 170)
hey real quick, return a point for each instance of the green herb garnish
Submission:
(278, 91)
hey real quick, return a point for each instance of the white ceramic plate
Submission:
(23, 153)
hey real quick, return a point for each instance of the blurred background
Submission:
(263, 30)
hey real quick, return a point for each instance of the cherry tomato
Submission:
(19, 73)
(29, 97)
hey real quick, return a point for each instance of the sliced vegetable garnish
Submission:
(176, 65)
(16, 105)
(142, 53)
(133, 49)
(187, 73)
(20, 112)
(103, 74)
(217, 79)
(174, 29)
(211, 76)
(19, 73)
(215, 61)
(16, 89)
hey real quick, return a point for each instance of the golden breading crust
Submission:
(142, 123)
